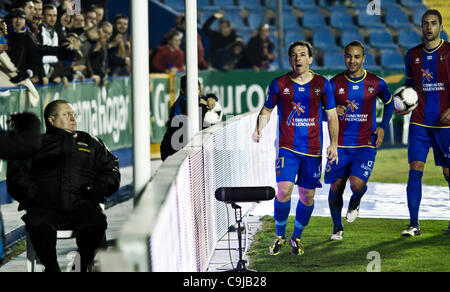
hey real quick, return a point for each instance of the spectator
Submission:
(78, 24)
(99, 11)
(170, 58)
(222, 38)
(38, 17)
(49, 37)
(260, 50)
(119, 48)
(91, 19)
(175, 136)
(28, 7)
(22, 50)
(231, 57)
(62, 186)
(98, 53)
(63, 26)
(180, 26)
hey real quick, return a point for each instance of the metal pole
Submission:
(192, 68)
(140, 95)
(280, 33)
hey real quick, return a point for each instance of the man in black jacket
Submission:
(62, 186)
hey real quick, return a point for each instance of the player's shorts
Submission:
(352, 162)
(305, 171)
(422, 138)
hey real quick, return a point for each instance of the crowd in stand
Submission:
(49, 41)
(228, 49)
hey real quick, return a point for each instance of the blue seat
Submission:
(342, 20)
(334, 60)
(205, 5)
(203, 16)
(381, 39)
(235, 18)
(417, 16)
(307, 5)
(360, 4)
(175, 4)
(408, 38)
(397, 19)
(314, 20)
(392, 60)
(413, 4)
(369, 21)
(349, 36)
(251, 4)
(255, 19)
(325, 41)
(444, 35)
(274, 5)
(292, 36)
(369, 62)
(290, 21)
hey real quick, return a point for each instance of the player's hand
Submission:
(340, 110)
(380, 136)
(445, 117)
(211, 102)
(332, 154)
(256, 137)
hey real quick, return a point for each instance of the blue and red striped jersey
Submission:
(300, 112)
(429, 73)
(359, 96)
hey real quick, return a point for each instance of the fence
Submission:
(177, 221)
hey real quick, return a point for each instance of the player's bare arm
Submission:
(333, 129)
(262, 120)
(379, 132)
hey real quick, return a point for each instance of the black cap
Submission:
(17, 12)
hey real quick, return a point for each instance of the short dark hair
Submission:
(48, 7)
(355, 44)
(303, 44)
(51, 110)
(433, 12)
(120, 16)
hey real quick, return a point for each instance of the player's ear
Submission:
(311, 60)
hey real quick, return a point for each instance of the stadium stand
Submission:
(397, 19)
(381, 39)
(314, 20)
(392, 60)
(408, 38)
(325, 41)
(305, 5)
(334, 60)
(342, 20)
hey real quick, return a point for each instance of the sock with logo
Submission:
(414, 195)
(281, 214)
(302, 217)
(335, 202)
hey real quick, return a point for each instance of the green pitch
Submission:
(427, 252)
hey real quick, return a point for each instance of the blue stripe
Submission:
(431, 111)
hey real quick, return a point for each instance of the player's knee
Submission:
(357, 187)
(446, 172)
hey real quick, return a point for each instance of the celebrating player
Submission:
(355, 92)
(427, 69)
(300, 96)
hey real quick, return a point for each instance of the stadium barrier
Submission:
(177, 222)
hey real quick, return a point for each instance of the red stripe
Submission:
(443, 68)
(314, 105)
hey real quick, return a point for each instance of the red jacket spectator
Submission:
(170, 58)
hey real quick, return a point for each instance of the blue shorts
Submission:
(422, 138)
(303, 170)
(352, 162)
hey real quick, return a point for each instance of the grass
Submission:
(15, 250)
(428, 252)
(391, 166)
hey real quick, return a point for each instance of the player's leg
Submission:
(418, 148)
(286, 170)
(359, 188)
(336, 202)
(446, 172)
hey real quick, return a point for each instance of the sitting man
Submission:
(62, 186)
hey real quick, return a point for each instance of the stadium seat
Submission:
(251, 4)
(203, 16)
(290, 21)
(292, 36)
(369, 62)
(369, 21)
(314, 20)
(413, 4)
(235, 18)
(226, 5)
(204, 5)
(348, 36)
(392, 60)
(325, 41)
(397, 19)
(333, 60)
(417, 16)
(408, 38)
(342, 20)
(381, 39)
(444, 35)
(305, 5)
(255, 19)
(274, 5)
(360, 4)
(175, 4)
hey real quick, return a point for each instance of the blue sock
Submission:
(302, 216)
(335, 202)
(281, 214)
(355, 199)
(414, 195)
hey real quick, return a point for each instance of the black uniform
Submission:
(60, 188)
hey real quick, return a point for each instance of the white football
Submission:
(214, 116)
(405, 100)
